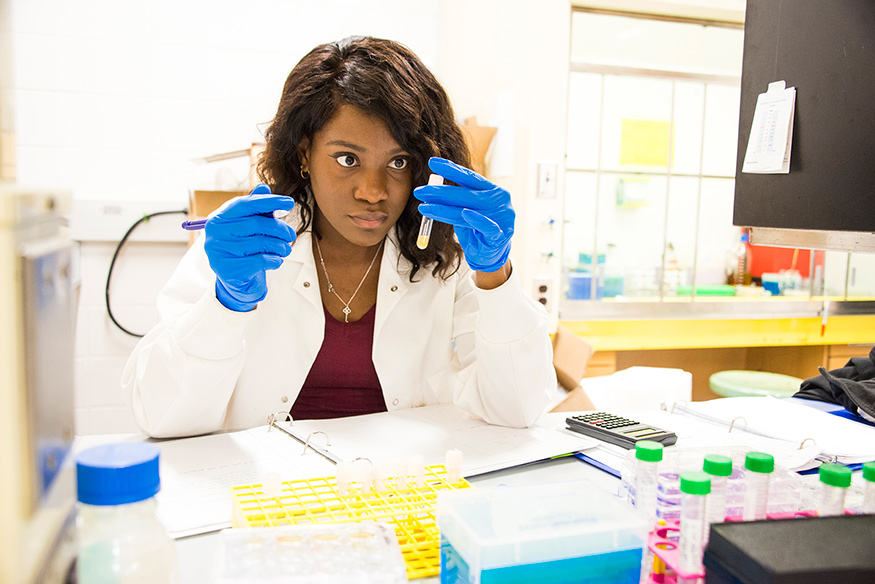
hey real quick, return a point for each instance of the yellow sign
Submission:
(646, 142)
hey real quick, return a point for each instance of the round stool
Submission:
(735, 383)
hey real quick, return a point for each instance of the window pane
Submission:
(689, 99)
(682, 209)
(835, 273)
(641, 43)
(584, 112)
(636, 121)
(861, 278)
(720, 146)
(718, 237)
(630, 231)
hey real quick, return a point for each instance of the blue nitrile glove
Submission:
(478, 210)
(244, 240)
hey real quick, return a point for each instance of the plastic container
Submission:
(719, 468)
(333, 553)
(868, 488)
(538, 533)
(834, 482)
(119, 537)
(648, 455)
(759, 467)
(695, 486)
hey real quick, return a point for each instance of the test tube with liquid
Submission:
(759, 467)
(719, 467)
(695, 486)
(834, 482)
(648, 455)
(427, 222)
(869, 487)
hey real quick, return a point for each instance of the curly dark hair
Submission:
(385, 79)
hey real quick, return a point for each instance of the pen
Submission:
(196, 224)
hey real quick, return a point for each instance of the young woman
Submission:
(334, 310)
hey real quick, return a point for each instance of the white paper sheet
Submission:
(771, 133)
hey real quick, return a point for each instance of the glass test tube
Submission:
(868, 488)
(834, 482)
(719, 467)
(427, 222)
(759, 467)
(695, 486)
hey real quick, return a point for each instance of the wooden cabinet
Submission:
(789, 346)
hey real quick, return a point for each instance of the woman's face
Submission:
(361, 178)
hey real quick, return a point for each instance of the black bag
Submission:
(852, 386)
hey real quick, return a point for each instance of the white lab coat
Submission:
(205, 368)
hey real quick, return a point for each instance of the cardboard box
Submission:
(571, 354)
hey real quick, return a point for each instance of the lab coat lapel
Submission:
(393, 282)
(306, 281)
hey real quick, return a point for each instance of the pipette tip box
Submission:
(547, 533)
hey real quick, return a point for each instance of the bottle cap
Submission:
(835, 475)
(869, 471)
(648, 450)
(695, 482)
(759, 462)
(115, 474)
(718, 465)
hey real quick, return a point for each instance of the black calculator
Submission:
(618, 430)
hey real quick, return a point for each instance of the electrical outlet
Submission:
(542, 288)
(547, 171)
(108, 220)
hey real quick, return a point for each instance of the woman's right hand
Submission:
(243, 241)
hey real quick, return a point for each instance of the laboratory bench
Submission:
(198, 554)
(789, 345)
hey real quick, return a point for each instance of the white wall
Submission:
(115, 99)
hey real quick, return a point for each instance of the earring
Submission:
(305, 174)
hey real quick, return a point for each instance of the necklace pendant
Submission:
(330, 288)
(346, 312)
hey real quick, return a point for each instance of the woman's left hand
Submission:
(479, 211)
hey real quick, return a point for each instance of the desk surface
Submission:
(198, 554)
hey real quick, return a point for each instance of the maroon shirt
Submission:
(343, 380)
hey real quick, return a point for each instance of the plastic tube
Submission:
(834, 482)
(454, 465)
(719, 468)
(416, 471)
(695, 486)
(759, 467)
(868, 488)
(648, 454)
(426, 224)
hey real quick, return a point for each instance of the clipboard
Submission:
(198, 473)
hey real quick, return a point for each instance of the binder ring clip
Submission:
(272, 419)
(307, 444)
(812, 440)
(735, 420)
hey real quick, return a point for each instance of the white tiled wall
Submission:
(101, 347)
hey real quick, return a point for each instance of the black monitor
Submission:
(826, 50)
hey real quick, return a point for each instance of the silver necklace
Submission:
(346, 309)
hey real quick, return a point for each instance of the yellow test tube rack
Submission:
(409, 507)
